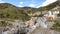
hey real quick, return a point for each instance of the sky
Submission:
(29, 3)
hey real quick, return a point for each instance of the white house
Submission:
(52, 14)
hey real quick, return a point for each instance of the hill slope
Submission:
(50, 6)
(10, 11)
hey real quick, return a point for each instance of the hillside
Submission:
(10, 11)
(50, 6)
(13, 17)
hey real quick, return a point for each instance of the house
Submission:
(53, 12)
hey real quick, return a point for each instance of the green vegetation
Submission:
(38, 15)
(56, 26)
(58, 15)
(11, 12)
(49, 7)
(4, 24)
(50, 21)
(56, 21)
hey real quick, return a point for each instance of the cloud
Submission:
(1, 1)
(31, 5)
(47, 2)
(21, 2)
(20, 6)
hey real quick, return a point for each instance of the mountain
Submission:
(12, 12)
(50, 6)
